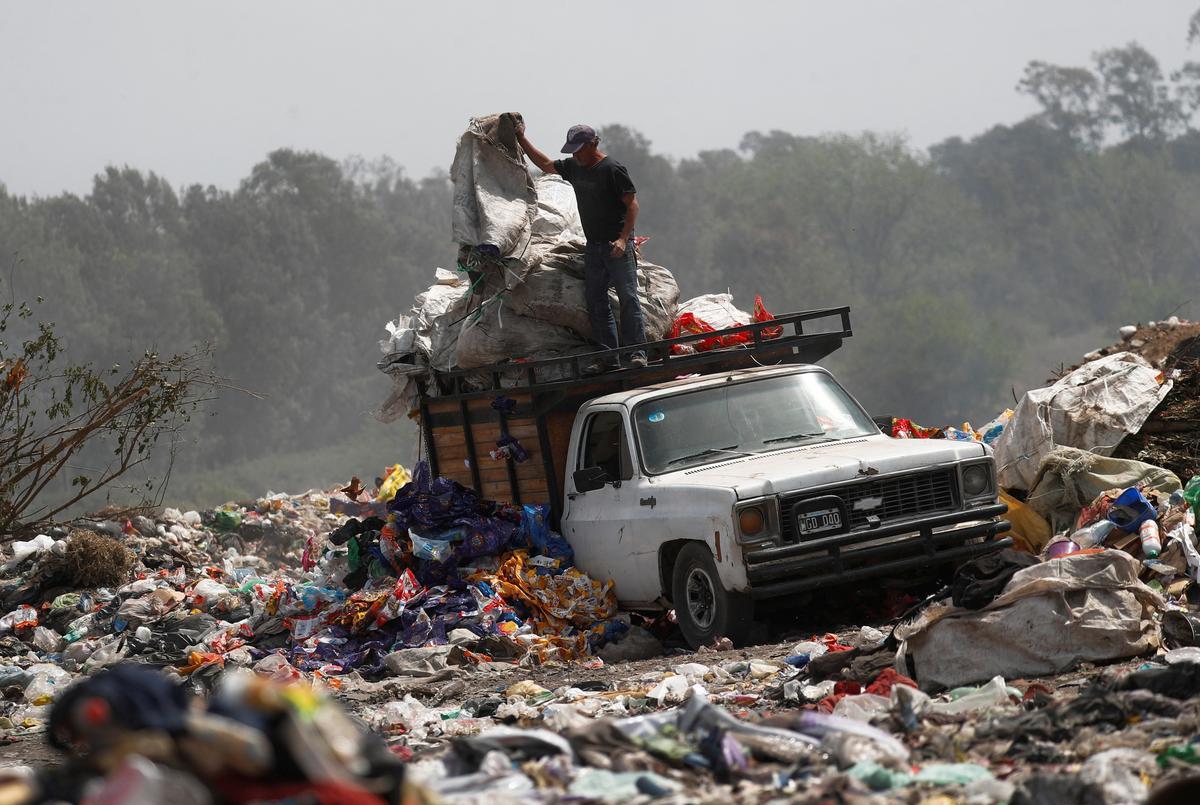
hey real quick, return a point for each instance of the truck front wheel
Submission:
(705, 609)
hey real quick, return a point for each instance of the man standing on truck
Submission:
(608, 208)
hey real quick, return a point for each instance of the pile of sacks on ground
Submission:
(517, 293)
(1116, 536)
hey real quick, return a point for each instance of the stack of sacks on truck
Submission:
(517, 293)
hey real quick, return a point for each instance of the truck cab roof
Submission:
(631, 397)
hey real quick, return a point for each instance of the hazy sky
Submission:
(200, 91)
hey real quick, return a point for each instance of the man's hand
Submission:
(544, 163)
(618, 249)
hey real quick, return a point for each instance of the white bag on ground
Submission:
(1048, 619)
(1092, 408)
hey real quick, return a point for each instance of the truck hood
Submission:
(816, 465)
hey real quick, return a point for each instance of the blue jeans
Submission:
(601, 272)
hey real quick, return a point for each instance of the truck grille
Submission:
(904, 496)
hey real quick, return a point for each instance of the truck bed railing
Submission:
(805, 337)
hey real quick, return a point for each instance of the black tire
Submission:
(704, 609)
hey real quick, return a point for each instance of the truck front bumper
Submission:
(827, 561)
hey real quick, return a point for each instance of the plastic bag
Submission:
(992, 430)
(435, 550)
(689, 323)
(952, 774)
(138, 781)
(397, 476)
(206, 592)
(1191, 493)
(23, 617)
(33, 547)
(45, 681)
(542, 541)
(864, 707)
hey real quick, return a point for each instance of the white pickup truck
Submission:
(713, 491)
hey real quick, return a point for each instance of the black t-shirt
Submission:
(598, 190)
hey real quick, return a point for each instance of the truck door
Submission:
(597, 523)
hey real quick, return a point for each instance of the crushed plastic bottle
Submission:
(1093, 535)
(78, 628)
(47, 640)
(965, 700)
(671, 690)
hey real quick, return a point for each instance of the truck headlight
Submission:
(752, 521)
(977, 480)
(757, 520)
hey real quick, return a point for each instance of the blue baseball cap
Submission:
(578, 137)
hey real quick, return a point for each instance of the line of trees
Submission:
(955, 260)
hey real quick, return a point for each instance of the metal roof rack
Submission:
(670, 357)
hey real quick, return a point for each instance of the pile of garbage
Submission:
(293, 588)
(826, 718)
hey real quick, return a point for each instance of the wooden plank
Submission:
(494, 470)
(522, 428)
(482, 454)
(498, 484)
(531, 491)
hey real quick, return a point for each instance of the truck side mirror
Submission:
(590, 478)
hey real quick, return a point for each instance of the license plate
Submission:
(816, 522)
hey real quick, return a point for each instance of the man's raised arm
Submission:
(544, 163)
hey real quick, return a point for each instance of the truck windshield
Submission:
(756, 416)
